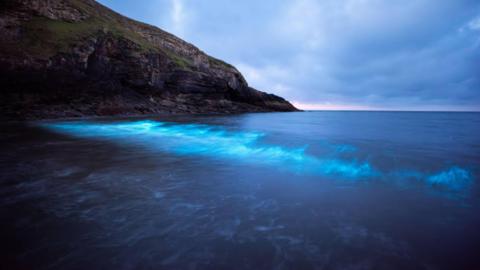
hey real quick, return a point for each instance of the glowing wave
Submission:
(215, 142)
(454, 178)
(204, 140)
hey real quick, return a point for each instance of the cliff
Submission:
(67, 58)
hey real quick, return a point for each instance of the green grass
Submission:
(215, 61)
(44, 37)
(180, 61)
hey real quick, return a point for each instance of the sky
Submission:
(336, 54)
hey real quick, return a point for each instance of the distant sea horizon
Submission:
(382, 110)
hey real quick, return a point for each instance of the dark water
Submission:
(313, 190)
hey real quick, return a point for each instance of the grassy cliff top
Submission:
(45, 36)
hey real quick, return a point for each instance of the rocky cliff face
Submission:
(66, 58)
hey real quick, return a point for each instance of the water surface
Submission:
(312, 190)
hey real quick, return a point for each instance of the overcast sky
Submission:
(338, 54)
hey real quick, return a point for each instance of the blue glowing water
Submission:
(312, 190)
(216, 142)
(246, 146)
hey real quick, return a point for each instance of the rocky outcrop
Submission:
(66, 58)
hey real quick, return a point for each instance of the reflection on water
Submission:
(317, 190)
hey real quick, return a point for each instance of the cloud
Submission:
(363, 53)
(178, 17)
(272, 77)
(474, 24)
(383, 53)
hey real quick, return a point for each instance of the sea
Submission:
(298, 190)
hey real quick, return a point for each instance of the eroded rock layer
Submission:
(61, 58)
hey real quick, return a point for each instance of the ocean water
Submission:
(306, 190)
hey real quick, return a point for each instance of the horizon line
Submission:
(383, 110)
(345, 107)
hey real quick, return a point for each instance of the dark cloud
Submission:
(413, 54)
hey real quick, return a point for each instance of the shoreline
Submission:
(127, 116)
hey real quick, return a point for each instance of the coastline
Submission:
(134, 116)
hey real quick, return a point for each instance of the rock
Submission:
(80, 58)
